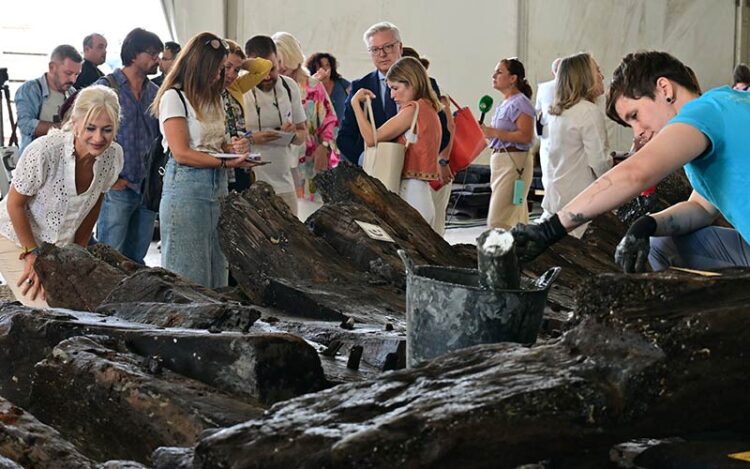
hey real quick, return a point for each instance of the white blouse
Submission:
(577, 154)
(46, 173)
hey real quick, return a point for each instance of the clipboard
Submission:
(285, 138)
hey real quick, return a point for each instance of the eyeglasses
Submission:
(153, 53)
(388, 48)
(217, 43)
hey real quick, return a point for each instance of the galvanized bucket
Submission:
(446, 310)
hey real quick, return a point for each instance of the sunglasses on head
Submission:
(217, 43)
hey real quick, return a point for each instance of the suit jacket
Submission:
(350, 141)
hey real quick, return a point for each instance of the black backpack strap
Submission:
(182, 98)
(286, 87)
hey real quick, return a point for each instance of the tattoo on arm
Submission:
(672, 225)
(578, 218)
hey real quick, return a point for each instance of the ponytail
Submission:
(515, 67)
(525, 88)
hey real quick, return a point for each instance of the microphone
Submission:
(485, 104)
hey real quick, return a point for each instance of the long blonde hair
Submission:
(575, 81)
(410, 71)
(193, 72)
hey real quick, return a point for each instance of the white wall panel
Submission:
(463, 40)
(698, 32)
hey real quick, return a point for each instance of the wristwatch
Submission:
(443, 162)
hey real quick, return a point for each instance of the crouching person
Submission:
(57, 190)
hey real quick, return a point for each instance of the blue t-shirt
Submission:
(721, 174)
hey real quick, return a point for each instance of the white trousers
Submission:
(418, 194)
(11, 267)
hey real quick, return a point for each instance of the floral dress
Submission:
(322, 126)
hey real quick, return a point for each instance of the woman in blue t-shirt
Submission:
(659, 97)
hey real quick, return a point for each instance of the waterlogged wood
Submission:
(348, 183)
(497, 261)
(75, 279)
(28, 442)
(159, 285)
(624, 372)
(130, 407)
(262, 366)
(113, 257)
(277, 261)
(215, 317)
(337, 224)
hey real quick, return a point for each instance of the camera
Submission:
(3, 76)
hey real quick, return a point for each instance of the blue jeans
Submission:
(126, 224)
(709, 248)
(188, 217)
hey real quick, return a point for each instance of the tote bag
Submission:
(468, 141)
(385, 160)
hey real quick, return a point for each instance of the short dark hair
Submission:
(172, 47)
(137, 41)
(741, 74)
(313, 64)
(88, 41)
(65, 51)
(637, 74)
(260, 46)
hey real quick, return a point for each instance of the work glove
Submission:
(533, 239)
(632, 251)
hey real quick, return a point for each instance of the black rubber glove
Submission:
(533, 239)
(632, 251)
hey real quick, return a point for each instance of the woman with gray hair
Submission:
(45, 204)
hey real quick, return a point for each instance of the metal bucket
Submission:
(446, 310)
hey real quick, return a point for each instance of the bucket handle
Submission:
(407, 261)
(546, 279)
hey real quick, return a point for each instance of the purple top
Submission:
(506, 115)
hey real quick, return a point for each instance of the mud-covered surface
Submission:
(616, 376)
(132, 405)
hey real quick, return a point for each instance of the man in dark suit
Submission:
(383, 42)
(94, 54)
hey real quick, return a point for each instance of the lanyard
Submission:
(275, 103)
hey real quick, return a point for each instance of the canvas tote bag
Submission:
(385, 160)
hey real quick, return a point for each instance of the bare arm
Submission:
(176, 132)
(17, 212)
(83, 233)
(685, 217)
(392, 128)
(43, 128)
(257, 69)
(669, 150)
(523, 134)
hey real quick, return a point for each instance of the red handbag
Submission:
(468, 141)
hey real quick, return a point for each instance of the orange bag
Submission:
(468, 141)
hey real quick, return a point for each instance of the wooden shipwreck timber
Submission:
(141, 368)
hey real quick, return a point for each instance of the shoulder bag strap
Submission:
(413, 127)
(371, 118)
